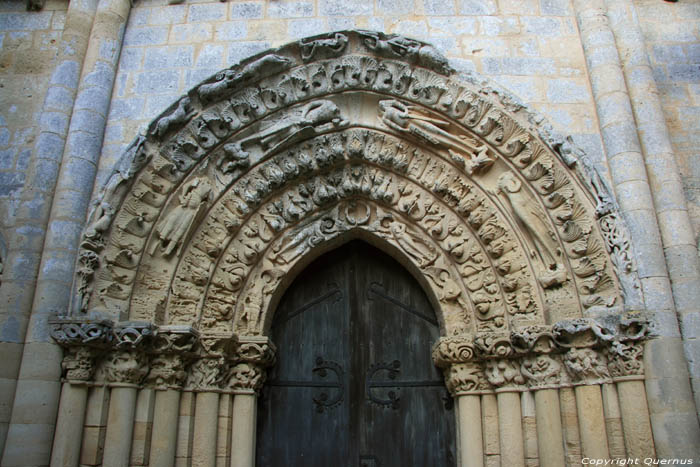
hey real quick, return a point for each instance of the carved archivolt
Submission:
(268, 164)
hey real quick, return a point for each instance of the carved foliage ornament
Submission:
(269, 160)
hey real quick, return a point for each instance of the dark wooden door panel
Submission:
(354, 384)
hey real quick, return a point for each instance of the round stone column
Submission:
(466, 382)
(124, 372)
(171, 350)
(254, 354)
(543, 373)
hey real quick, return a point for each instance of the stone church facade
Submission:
(168, 170)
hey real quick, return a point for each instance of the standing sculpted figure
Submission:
(174, 228)
(525, 211)
(409, 119)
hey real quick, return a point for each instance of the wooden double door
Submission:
(354, 384)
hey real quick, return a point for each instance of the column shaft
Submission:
(471, 451)
(206, 414)
(591, 421)
(569, 423)
(243, 433)
(164, 440)
(613, 422)
(510, 429)
(550, 442)
(635, 419)
(69, 426)
(489, 429)
(120, 426)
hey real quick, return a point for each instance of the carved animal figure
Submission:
(395, 46)
(177, 117)
(230, 78)
(329, 47)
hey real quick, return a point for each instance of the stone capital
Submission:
(504, 374)
(125, 367)
(537, 339)
(78, 363)
(253, 355)
(542, 371)
(81, 332)
(451, 350)
(466, 378)
(494, 345)
(256, 350)
(587, 366)
(580, 333)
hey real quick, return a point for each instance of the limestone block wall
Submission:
(28, 44)
(672, 36)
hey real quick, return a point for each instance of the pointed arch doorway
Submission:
(354, 383)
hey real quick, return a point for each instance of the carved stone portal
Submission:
(270, 163)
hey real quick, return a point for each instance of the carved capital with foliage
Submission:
(542, 371)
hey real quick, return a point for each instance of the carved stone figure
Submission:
(174, 228)
(331, 46)
(102, 218)
(175, 118)
(532, 221)
(304, 122)
(229, 79)
(410, 119)
(395, 46)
